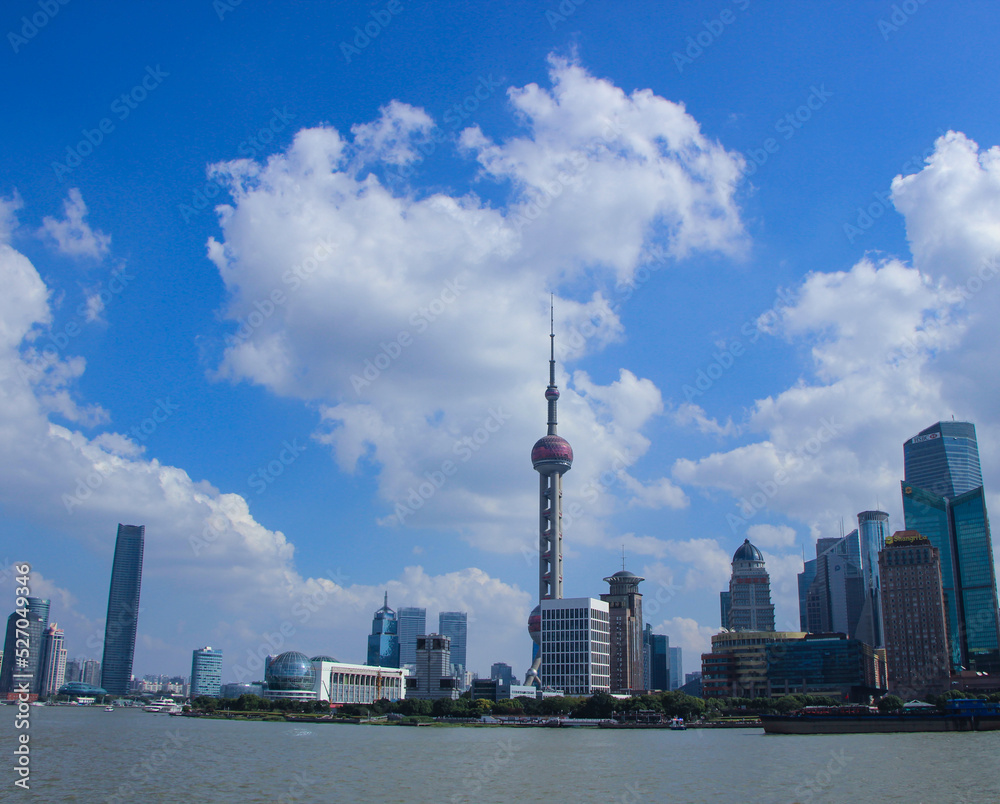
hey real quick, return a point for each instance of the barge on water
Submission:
(959, 715)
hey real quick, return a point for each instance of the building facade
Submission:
(54, 661)
(455, 625)
(873, 527)
(551, 457)
(916, 632)
(825, 664)
(383, 642)
(625, 610)
(35, 624)
(835, 599)
(657, 655)
(433, 678)
(501, 671)
(943, 500)
(676, 668)
(206, 672)
(235, 689)
(341, 683)
(92, 672)
(576, 645)
(747, 605)
(737, 665)
(290, 676)
(412, 623)
(123, 610)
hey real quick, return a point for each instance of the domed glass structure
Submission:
(747, 552)
(324, 658)
(290, 671)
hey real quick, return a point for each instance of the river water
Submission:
(84, 754)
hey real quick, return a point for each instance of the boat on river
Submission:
(168, 705)
(959, 715)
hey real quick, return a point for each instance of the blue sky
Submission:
(277, 280)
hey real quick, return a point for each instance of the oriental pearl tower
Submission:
(552, 456)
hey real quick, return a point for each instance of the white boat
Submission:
(163, 705)
(109, 709)
(677, 724)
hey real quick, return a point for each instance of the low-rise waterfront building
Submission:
(737, 665)
(825, 664)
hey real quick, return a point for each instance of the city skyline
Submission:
(285, 302)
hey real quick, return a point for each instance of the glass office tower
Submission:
(37, 623)
(874, 529)
(943, 500)
(455, 625)
(412, 623)
(383, 642)
(206, 672)
(123, 610)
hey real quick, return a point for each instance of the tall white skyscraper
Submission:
(576, 645)
(206, 672)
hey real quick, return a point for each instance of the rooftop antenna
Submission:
(623, 558)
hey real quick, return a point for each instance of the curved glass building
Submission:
(290, 675)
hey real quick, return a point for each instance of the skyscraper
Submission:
(123, 610)
(873, 527)
(455, 625)
(625, 610)
(54, 661)
(92, 672)
(503, 672)
(805, 579)
(74, 671)
(576, 650)
(943, 459)
(943, 500)
(657, 654)
(916, 637)
(383, 642)
(412, 623)
(749, 596)
(676, 667)
(31, 671)
(552, 457)
(206, 672)
(835, 599)
(433, 678)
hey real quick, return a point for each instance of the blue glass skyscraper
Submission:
(943, 500)
(383, 642)
(123, 610)
(873, 527)
(455, 624)
(412, 623)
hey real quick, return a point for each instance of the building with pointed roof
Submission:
(383, 642)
